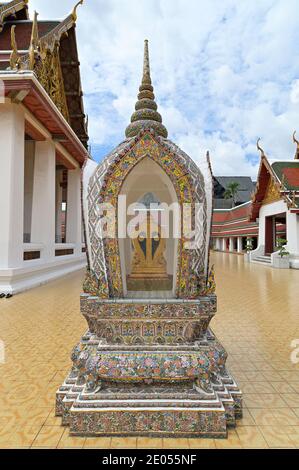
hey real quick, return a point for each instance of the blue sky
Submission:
(225, 72)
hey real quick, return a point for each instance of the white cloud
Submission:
(225, 72)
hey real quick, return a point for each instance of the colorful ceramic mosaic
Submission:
(149, 366)
(105, 186)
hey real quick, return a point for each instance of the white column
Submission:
(12, 134)
(231, 244)
(240, 248)
(74, 213)
(223, 244)
(58, 213)
(43, 205)
(292, 233)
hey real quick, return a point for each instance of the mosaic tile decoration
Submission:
(148, 367)
(105, 186)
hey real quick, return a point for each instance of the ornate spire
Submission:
(146, 115)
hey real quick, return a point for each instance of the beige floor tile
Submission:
(276, 436)
(175, 443)
(98, 442)
(25, 437)
(263, 387)
(123, 442)
(292, 399)
(263, 416)
(293, 433)
(70, 442)
(251, 438)
(202, 444)
(49, 436)
(247, 419)
(285, 416)
(149, 443)
(41, 326)
(232, 441)
(282, 387)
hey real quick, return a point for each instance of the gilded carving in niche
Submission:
(49, 74)
(272, 193)
(186, 285)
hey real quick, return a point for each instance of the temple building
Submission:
(43, 146)
(270, 215)
(275, 205)
(149, 363)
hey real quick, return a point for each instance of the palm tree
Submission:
(231, 191)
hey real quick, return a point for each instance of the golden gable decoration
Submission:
(272, 193)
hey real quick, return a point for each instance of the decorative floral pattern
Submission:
(105, 186)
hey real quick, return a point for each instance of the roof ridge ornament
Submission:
(74, 12)
(146, 115)
(14, 56)
(11, 8)
(260, 148)
(297, 143)
(34, 42)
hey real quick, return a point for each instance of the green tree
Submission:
(232, 191)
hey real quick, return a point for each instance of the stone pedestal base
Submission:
(149, 369)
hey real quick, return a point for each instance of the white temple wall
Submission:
(293, 239)
(28, 188)
(265, 211)
(12, 124)
(29, 255)
(74, 212)
(43, 209)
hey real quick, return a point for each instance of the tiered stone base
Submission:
(169, 379)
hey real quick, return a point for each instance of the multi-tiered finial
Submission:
(146, 115)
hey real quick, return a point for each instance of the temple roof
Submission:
(146, 115)
(23, 35)
(288, 172)
(49, 35)
(16, 9)
(221, 183)
(284, 177)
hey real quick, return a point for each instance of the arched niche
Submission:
(105, 186)
(147, 177)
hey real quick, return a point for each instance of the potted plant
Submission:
(281, 258)
(249, 247)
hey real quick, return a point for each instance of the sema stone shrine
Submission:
(149, 363)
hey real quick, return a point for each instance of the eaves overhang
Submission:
(24, 87)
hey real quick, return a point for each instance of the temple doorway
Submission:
(275, 228)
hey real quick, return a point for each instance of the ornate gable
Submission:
(272, 192)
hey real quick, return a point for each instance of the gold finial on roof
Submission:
(14, 56)
(259, 147)
(33, 42)
(297, 143)
(74, 13)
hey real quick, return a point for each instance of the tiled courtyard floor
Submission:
(258, 317)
